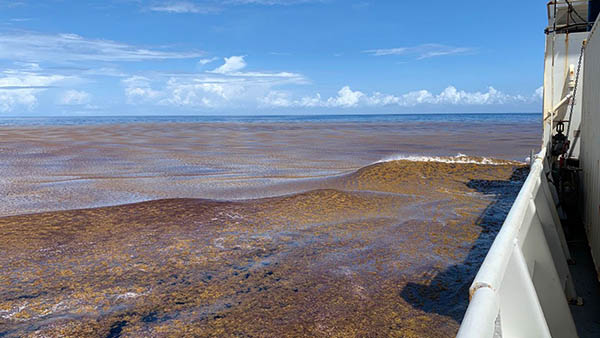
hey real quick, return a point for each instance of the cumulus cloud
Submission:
(74, 97)
(231, 85)
(19, 89)
(423, 51)
(345, 98)
(138, 90)
(190, 91)
(539, 93)
(231, 65)
(197, 92)
(222, 87)
(348, 98)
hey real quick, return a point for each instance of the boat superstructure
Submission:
(524, 286)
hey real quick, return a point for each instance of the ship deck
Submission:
(587, 317)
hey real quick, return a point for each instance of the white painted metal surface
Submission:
(522, 286)
(562, 56)
(590, 148)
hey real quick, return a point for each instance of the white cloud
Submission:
(199, 93)
(20, 88)
(272, 2)
(212, 6)
(11, 99)
(539, 93)
(207, 61)
(103, 71)
(184, 7)
(347, 98)
(276, 99)
(58, 48)
(423, 51)
(30, 66)
(138, 90)
(451, 95)
(234, 64)
(231, 65)
(227, 91)
(223, 87)
(20, 19)
(218, 90)
(74, 97)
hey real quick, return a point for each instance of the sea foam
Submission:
(458, 158)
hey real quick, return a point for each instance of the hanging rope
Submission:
(575, 88)
(572, 10)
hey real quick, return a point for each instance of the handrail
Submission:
(555, 6)
(492, 270)
(523, 284)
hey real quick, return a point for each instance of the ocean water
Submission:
(370, 118)
(264, 226)
(52, 164)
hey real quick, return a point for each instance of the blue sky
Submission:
(138, 57)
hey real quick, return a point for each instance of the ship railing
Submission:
(524, 285)
(570, 15)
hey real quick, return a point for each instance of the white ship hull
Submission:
(524, 286)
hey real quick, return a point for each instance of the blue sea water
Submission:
(516, 118)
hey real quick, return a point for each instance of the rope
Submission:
(566, 27)
(554, 23)
(572, 10)
(575, 88)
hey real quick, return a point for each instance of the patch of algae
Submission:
(374, 253)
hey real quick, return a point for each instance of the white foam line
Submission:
(459, 158)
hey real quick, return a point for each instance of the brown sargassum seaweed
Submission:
(389, 250)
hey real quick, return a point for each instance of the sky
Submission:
(261, 57)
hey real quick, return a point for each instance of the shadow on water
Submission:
(447, 294)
